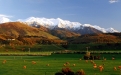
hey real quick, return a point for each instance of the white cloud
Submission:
(4, 18)
(113, 1)
(7, 16)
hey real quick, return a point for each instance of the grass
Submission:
(55, 47)
(14, 64)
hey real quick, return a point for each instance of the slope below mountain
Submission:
(64, 33)
(17, 29)
(97, 38)
(88, 30)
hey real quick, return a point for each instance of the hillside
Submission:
(64, 33)
(25, 34)
(16, 29)
(13, 34)
(97, 38)
(88, 30)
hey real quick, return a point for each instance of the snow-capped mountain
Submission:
(59, 23)
(108, 30)
(52, 23)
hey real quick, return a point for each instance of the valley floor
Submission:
(49, 65)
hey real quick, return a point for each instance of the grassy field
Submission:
(49, 65)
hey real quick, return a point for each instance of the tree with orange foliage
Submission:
(4, 61)
(101, 68)
(114, 68)
(24, 67)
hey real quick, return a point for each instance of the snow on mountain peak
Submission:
(111, 30)
(96, 27)
(67, 24)
(52, 23)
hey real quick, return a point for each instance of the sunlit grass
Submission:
(14, 64)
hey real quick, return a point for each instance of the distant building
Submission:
(10, 39)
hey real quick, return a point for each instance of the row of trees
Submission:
(32, 40)
(68, 71)
(95, 38)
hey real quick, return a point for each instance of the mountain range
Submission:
(47, 31)
(59, 24)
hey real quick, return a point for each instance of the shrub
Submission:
(59, 73)
(80, 72)
(67, 71)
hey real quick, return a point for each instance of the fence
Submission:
(25, 54)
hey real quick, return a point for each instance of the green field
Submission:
(14, 64)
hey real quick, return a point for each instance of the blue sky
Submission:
(104, 13)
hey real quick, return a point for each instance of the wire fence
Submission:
(46, 53)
